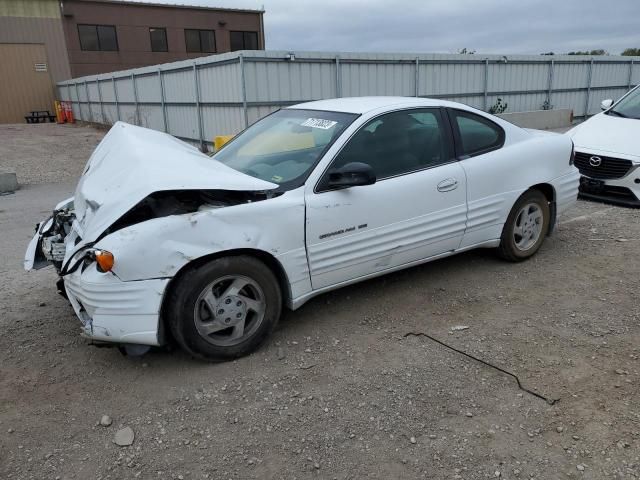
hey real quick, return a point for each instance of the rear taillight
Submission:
(572, 159)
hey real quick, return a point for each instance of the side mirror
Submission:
(351, 175)
(606, 104)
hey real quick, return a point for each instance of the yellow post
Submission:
(220, 140)
(59, 114)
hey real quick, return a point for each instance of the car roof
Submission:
(366, 104)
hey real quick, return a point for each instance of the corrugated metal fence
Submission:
(222, 94)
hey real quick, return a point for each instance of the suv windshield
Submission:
(629, 106)
(284, 147)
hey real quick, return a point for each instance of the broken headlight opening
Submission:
(182, 202)
(52, 244)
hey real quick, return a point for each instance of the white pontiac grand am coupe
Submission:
(161, 241)
(608, 151)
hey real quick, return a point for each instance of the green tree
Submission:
(631, 52)
(587, 52)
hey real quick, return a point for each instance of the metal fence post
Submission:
(115, 96)
(486, 83)
(630, 74)
(586, 101)
(244, 91)
(550, 84)
(417, 91)
(198, 108)
(162, 101)
(338, 78)
(100, 100)
(136, 113)
(78, 100)
(86, 91)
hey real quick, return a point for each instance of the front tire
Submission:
(224, 309)
(526, 227)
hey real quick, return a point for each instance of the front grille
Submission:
(608, 169)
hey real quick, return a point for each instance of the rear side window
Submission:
(477, 135)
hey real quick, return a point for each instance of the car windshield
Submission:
(285, 146)
(629, 106)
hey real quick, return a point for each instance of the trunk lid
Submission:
(133, 162)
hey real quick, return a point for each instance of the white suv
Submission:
(608, 152)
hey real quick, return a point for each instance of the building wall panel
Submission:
(573, 75)
(110, 114)
(30, 8)
(220, 84)
(504, 77)
(442, 79)
(605, 74)
(183, 121)
(180, 86)
(124, 89)
(107, 91)
(148, 88)
(221, 121)
(22, 89)
(37, 30)
(362, 79)
(150, 116)
(635, 73)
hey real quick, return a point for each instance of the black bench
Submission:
(38, 116)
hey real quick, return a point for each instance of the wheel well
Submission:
(269, 260)
(550, 194)
(546, 189)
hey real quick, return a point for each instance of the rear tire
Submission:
(526, 227)
(224, 309)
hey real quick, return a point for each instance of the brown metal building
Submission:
(33, 56)
(45, 41)
(106, 35)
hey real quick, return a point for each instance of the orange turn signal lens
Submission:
(104, 260)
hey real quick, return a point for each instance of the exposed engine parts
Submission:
(180, 202)
(52, 244)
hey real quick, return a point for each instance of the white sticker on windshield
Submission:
(318, 123)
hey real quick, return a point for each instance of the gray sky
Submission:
(445, 26)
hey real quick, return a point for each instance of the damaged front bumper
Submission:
(115, 311)
(109, 309)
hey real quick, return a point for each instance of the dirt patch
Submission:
(46, 152)
(339, 391)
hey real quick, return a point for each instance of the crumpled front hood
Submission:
(133, 162)
(608, 133)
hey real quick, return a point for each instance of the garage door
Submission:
(25, 82)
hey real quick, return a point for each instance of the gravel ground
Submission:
(46, 152)
(339, 391)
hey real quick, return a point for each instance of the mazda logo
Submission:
(595, 161)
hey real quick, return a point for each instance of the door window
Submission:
(477, 134)
(398, 143)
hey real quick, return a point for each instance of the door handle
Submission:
(447, 185)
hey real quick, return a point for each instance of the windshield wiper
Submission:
(618, 114)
